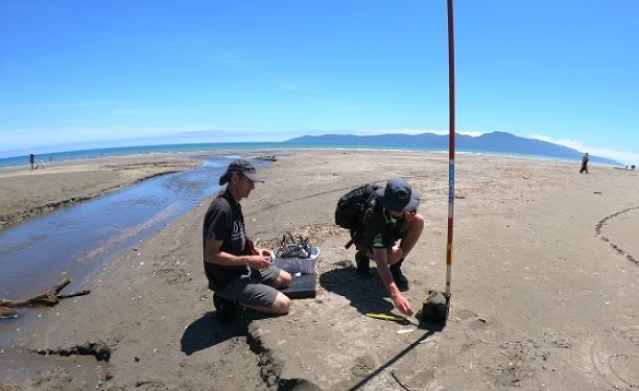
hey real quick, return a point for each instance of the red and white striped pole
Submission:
(451, 149)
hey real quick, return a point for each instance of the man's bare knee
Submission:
(281, 305)
(395, 255)
(417, 223)
(284, 279)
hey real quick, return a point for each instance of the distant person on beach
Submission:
(584, 163)
(239, 273)
(32, 161)
(390, 216)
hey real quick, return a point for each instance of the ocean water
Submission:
(138, 149)
(200, 148)
(207, 148)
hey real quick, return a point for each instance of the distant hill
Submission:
(501, 143)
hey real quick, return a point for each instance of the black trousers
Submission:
(584, 168)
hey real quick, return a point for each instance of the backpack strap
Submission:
(351, 240)
(370, 203)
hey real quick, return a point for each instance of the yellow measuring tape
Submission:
(386, 317)
(396, 318)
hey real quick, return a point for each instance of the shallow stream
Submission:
(80, 240)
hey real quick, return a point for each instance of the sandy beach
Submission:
(545, 284)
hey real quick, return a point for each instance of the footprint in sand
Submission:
(475, 323)
(173, 276)
(615, 356)
(617, 217)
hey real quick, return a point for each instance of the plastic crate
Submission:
(299, 265)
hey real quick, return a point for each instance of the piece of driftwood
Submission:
(49, 299)
(6, 312)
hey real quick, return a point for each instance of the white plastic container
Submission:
(299, 265)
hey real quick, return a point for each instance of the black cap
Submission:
(242, 166)
(398, 196)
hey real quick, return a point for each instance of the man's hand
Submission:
(265, 253)
(259, 262)
(383, 270)
(402, 304)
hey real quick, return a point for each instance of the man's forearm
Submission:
(227, 259)
(386, 276)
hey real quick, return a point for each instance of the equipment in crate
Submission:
(293, 247)
(296, 255)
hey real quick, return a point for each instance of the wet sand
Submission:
(544, 290)
(25, 193)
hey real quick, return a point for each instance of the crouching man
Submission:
(389, 217)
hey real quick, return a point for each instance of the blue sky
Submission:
(77, 74)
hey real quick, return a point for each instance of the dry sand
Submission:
(545, 289)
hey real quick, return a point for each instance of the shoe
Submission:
(363, 266)
(224, 308)
(400, 279)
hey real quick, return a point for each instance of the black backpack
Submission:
(351, 206)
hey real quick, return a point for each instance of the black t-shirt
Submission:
(381, 229)
(224, 221)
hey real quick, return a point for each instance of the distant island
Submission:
(500, 143)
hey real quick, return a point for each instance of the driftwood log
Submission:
(49, 299)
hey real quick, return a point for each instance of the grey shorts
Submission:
(255, 289)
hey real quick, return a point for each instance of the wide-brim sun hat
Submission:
(243, 167)
(398, 196)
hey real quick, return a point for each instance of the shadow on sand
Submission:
(368, 294)
(365, 294)
(210, 329)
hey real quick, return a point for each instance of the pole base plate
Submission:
(434, 308)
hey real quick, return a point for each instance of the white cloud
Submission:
(18, 142)
(463, 132)
(626, 158)
(414, 131)
(38, 140)
(623, 157)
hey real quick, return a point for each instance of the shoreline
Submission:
(538, 296)
(207, 149)
(28, 193)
